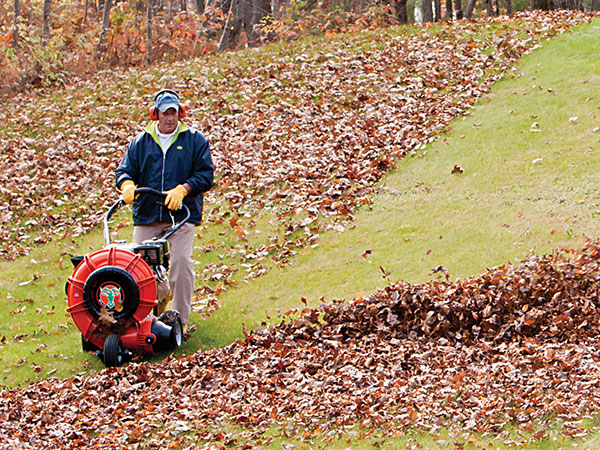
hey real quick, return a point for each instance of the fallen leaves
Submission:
(516, 345)
(303, 135)
(107, 316)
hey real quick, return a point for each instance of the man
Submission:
(175, 159)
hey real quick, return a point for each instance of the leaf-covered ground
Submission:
(311, 132)
(301, 137)
(516, 345)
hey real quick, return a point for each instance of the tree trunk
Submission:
(238, 26)
(401, 11)
(470, 8)
(544, 5)
(489, 7)
(229, 28)
(568, 4)
(16, 25)
(427, 11)
(149, 32)
(105, 24)
(509, 7)
(85, 13)
(279, 8)
(449, 13)
(438, 10)
(46, 23)
(594, 5)
(246, 13)
(458, 9)
(200, 6)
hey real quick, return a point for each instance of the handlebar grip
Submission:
(147, 190)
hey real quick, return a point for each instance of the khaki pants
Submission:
(181, 270)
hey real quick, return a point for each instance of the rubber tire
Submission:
(113, 351)
(129, 287)
(172, 319)
(177, 334)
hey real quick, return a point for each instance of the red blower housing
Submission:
(112, 293)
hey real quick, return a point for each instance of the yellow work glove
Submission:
(127, 191)
(175, 197)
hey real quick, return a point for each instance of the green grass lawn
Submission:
(530, 184)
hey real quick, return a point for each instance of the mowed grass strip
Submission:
(530, 183)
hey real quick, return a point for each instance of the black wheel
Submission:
(177, 334)
(87, 346)
(172, 319)
(113, 351)
(114, 284)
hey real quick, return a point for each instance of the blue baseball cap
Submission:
(167, 100)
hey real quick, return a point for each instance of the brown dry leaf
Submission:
(107, 316)
(457, 169)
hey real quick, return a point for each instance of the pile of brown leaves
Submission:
(516, 345)
(545, 298)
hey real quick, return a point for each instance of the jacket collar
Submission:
(151, 130)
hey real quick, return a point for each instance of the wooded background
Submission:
(45, 42)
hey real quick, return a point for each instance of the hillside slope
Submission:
(516, 345)
(301, 134)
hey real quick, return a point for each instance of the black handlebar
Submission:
(147, 190)
(150, 191)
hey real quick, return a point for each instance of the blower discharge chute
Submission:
(114, 294)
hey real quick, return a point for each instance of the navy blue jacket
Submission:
(187, 160)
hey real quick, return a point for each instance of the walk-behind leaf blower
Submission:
(114, 294)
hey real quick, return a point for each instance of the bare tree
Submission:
(46, 23)
(279, 8)
(438, 9)
(105, 24)
(544, 5)
(260, 9)
(85, 14)
(470, 8)
(233, 25)
(16, 25)
(568, 4)
(401, 11)
(449, 13)
(243, 18)
(458, 9)
(149, 31)
(427, 9)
